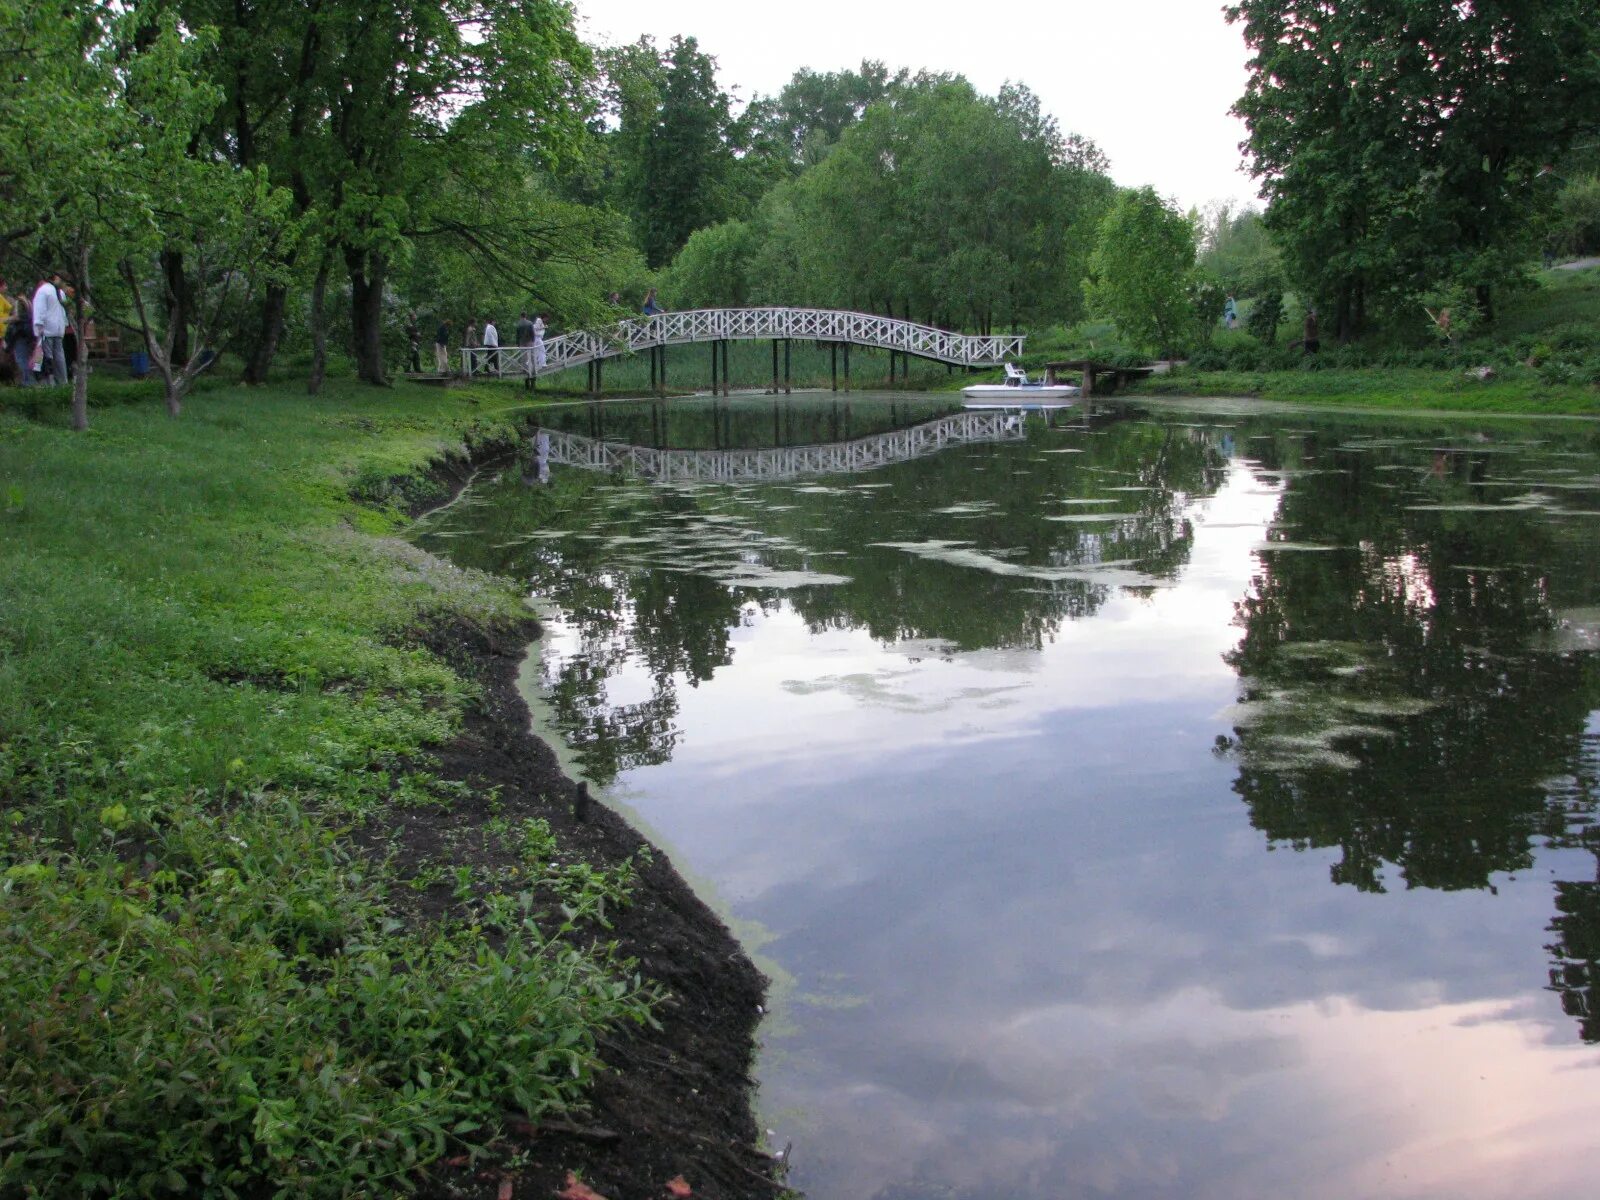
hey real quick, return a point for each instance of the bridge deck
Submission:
(742, 324)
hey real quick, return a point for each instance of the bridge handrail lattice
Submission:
(781, 462)
(719, 324)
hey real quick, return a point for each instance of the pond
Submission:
(1164, 802)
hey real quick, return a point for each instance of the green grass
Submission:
(209, 673)
(1384, 388)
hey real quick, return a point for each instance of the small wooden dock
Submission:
(1098, 378)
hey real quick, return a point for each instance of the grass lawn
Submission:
(1398, 388)
(211, 672)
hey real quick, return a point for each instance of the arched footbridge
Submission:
(718, 326)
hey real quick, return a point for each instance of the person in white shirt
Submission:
(491, 341)
(49, 328)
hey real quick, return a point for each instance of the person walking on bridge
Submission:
(441, 347)
(525, 349)
(491, 341)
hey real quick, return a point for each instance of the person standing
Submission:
(651, 305)
(19, 341)
(441, 347)
(49, 329)
(491, 343)
(538, 342)
(414, 340)
(6, 307)
(525, 349)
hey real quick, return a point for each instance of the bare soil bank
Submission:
(677, 1100)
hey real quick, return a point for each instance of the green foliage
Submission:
(1265, 316)
(1238, 251)
(1575, 228)
(1140, 271)
(934, 202)
(1402, 146)
(1452, 313)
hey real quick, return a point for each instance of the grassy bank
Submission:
(1395, 388)
(213, 687)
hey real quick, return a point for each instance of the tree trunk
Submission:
(271, 332)
(177, 286)
(80, 374)
(366, 313)
(174, 390)
(319, 327)
(1485, 302)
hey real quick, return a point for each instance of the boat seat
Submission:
(1014, 372)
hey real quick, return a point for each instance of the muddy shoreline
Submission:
(675, 1101)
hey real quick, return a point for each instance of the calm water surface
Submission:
(1172, 803)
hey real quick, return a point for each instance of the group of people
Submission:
(530, 333)
(40, 338)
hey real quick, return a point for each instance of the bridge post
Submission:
(713, 368)
(726, 385)
(774, 366)
(663, 349)
(847, 366)
(653, 369)
(786, 388)
(834, 352)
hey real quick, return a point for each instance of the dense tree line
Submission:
(1405, 146)
(229, 175)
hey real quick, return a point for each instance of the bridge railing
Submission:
(735, 324)
(780, 462)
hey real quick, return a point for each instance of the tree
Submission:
(1141, 270)
(118, 94)
(1400, 144)
(672, 155)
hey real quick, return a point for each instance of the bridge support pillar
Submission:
(786, 388)
(834, 354)
(847, 366)
(663, 350)
(713, 368)
(653, 350)
(726, 385)
(774, 366)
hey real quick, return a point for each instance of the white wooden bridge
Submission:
(782, 462)
(718, 326)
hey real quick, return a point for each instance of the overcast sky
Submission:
(1150, 81)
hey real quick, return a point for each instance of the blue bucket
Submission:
(139, 364)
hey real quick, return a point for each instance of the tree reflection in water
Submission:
(1402, 696)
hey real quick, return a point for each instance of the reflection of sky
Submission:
(1038, 952)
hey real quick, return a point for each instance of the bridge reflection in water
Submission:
(554, 447)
